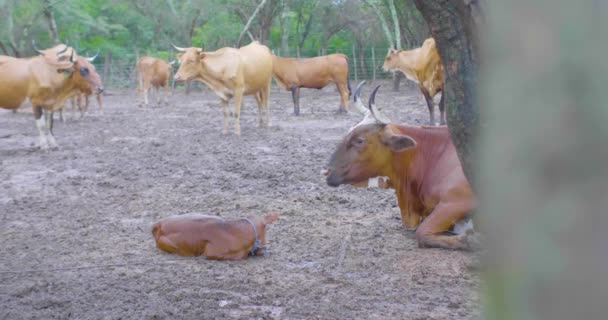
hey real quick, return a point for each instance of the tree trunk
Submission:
(248, 24)
(50, 18)
(285, 28)
(4, 49)
(391, 5)
(454, 25)
(544, 156)
(383, 23)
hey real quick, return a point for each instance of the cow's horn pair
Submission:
(371, 110)
(184, 49)
(42, 52)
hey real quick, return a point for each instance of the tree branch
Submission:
(246, 28)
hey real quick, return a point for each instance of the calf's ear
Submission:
(397, 142)
(271, 217)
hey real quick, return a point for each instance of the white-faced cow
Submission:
(231, 72)
(421, 165)
(423, 66)
(295, 73)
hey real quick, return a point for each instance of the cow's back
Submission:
(256, 62)
(186, 234)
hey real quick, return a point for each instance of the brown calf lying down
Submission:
(212, 236)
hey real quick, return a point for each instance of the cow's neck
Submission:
(413, 170)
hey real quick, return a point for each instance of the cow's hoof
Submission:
(472, 240)
(341, 111)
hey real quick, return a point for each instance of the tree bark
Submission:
(285, 28)
(4, 49)
(454, 25)
(50, 18)
(248, 24)
(391, 5)
(383, 23)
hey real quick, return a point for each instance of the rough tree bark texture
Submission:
(248, 24)
(454, 25)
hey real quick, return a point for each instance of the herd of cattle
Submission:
(419, 163)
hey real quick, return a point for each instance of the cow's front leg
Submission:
(295, 96)
(49, 125)
(429, 233)
(41, 125)
(226, 115)
(238, 100)
(430, 104)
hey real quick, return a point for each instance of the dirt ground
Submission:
(75, 228)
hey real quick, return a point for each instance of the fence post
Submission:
(355, 64)
(373, 65)
(298, 51)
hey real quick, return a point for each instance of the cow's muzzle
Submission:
(99, 90)
(332, 179)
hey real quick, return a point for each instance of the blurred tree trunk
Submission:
(47, 10)
(285, 28)
(248, 24)
(391, 6)
(454, 25)
(544, 173)
(4, 49)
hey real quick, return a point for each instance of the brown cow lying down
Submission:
(212, 236)
(422, 166)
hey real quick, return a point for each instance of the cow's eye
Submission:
(388, 59)
(358, 141)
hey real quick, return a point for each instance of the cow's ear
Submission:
(271, 217)
(201, 56)
(397, 142)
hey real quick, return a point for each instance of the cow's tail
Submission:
(349, 88)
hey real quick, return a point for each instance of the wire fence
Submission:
(365, 64)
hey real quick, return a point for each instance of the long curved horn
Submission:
(357, 98)
(173, 62)
(375, 111)
(72, 56)
(34, 45)
(64, 50)
(91, 59)
(178, 48)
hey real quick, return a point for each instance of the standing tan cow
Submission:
(231, 72)
(42, 80)
(316, 73)
(152, 73)
(423, 66)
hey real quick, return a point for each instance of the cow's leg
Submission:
(145, 92)
(429, 103)
(295, 96)
(49, 124)
(442, 120)
(62, 113)
(98, 103)
(343, 90)
(167, 93)
(258, 99)
(266, 107)
(41, 125)
(238, 100)
(440, 220)
(75, 101)
(226, 115)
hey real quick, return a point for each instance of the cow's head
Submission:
(89, 73)
(60, 56)
(367, 150)
(260, 223)
(391, 61)
(190, 63)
